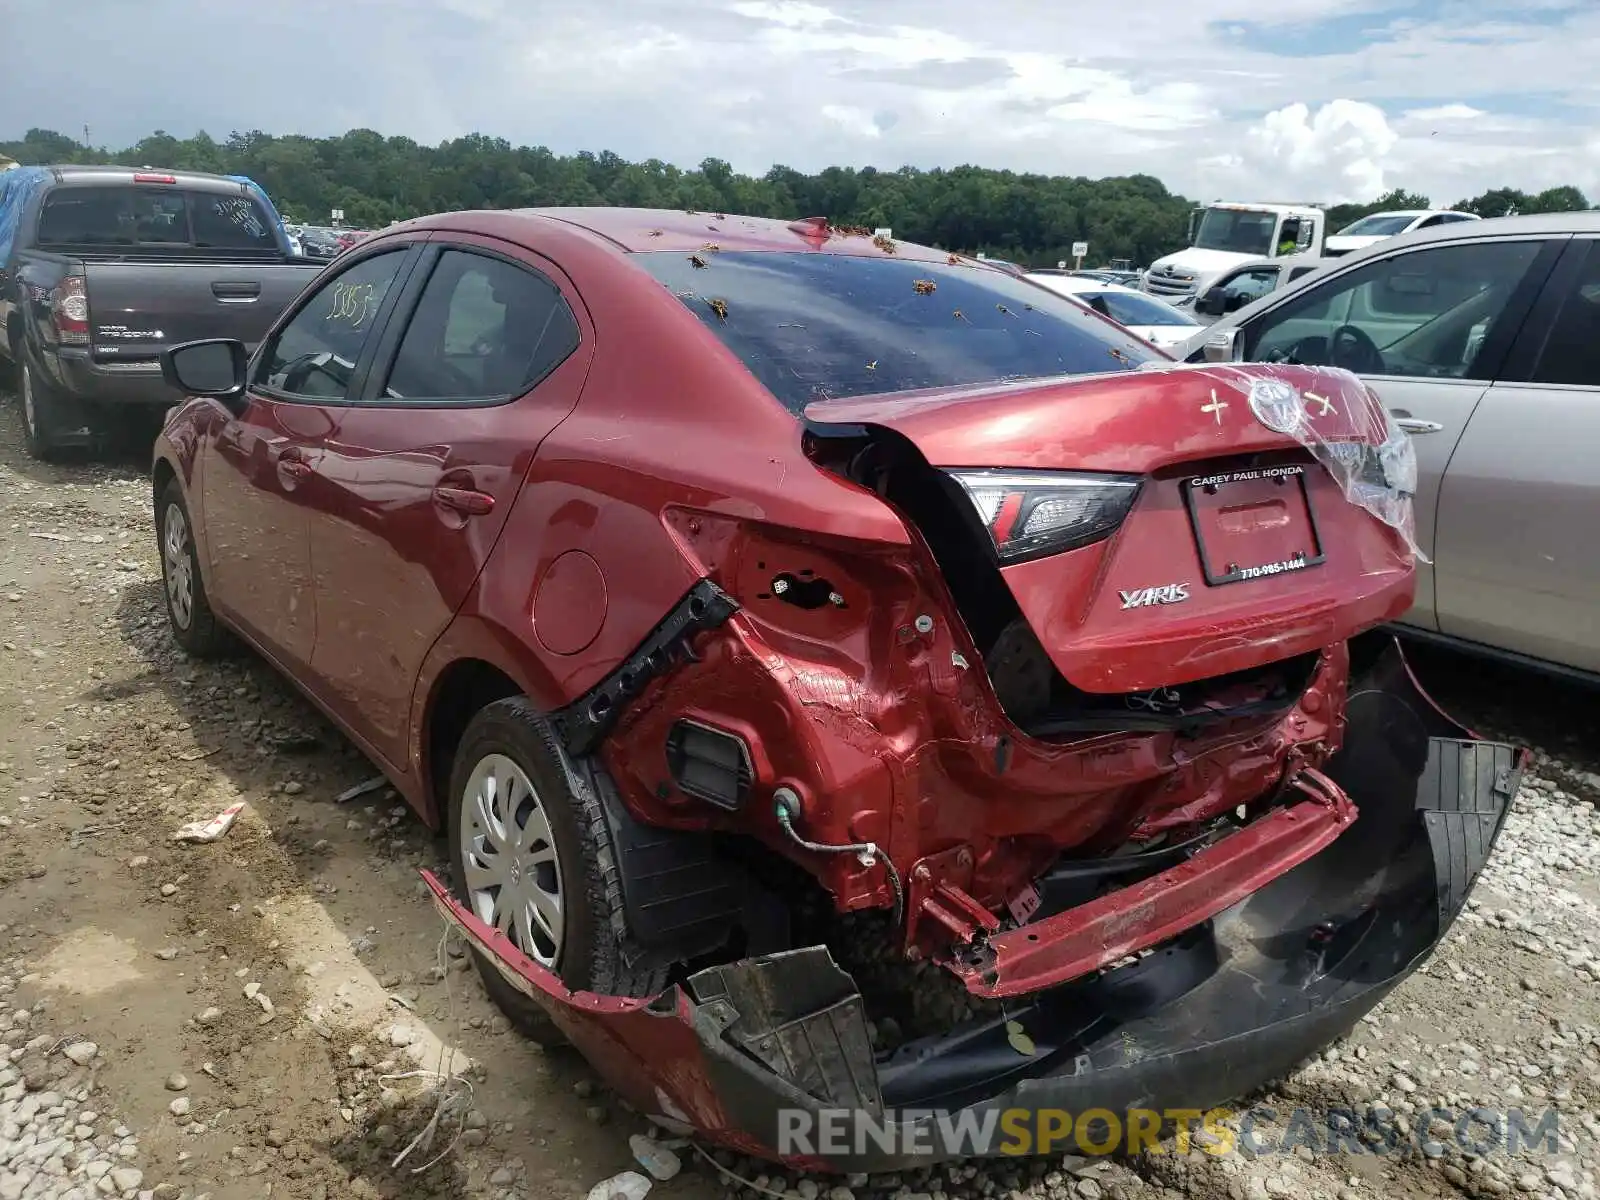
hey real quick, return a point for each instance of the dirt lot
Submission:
(261, 1016)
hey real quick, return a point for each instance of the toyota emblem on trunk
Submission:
(1277, 405)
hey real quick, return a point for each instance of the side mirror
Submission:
(1222, 346)
(1214, 303)
(212, 367)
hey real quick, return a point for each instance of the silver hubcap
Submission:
(512, 877)
(30, 417)
(176, 564)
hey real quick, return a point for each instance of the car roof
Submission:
(73, 173)
(640, 230)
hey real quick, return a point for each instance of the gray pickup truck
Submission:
(103, 268)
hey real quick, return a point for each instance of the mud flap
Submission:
(752, 1053)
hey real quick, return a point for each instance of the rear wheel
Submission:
(38, 414)
(533, 860)
(189, 616)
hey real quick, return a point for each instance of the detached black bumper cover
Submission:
(752, 1052)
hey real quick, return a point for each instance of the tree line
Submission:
(1028, 218)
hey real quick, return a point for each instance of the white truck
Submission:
(1223, 236)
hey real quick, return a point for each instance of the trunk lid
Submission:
(137, 309)
(1266, 524)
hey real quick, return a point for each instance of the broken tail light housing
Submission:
(69, 310)
(1029, 514)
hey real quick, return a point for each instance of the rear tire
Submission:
(194, 626)
(539, 868)
(38, 414)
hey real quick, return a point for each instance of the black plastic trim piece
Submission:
(584, 723)
(710, 764)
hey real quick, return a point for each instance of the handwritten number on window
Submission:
(353, 304)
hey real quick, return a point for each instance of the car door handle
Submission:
(236, 293)
(469, 502)
(292, 464)
(1416, 425)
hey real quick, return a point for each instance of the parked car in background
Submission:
(1155, 321)
(102, 268)
(320, 243)
(1483, 338)
(1370, 230)
(725, 608)
(1249, 282)
(1101, 275)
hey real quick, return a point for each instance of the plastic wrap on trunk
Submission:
(1370, 456)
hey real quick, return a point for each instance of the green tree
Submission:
(1028, 218)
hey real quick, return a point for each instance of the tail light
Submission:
(69, 306)
(1033, 513)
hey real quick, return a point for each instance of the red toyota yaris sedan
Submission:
(848, 675)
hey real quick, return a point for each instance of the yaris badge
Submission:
(1277, 405)
(1172, 593)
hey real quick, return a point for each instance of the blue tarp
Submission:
(21, 184)
(17, 186)
(260, 194)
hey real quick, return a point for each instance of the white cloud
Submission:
(1445, 112)
(1341, 149)
(1191, 93)
(854, 120)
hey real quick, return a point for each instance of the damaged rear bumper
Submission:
(771, 1056)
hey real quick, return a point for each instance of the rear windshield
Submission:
(145, 215)
(830, 326)
(1132, 308)
(1373, 226)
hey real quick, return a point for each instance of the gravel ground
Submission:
(271, 1014)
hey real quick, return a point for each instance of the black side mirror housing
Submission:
(213, 367)
(1214, 303)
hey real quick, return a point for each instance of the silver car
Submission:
(1483, 338)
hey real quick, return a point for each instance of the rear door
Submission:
(1428, 328)
(1516, 563)
(486, 355)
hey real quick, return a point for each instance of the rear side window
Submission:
(483, 329)
(1571, 352)
(142, 215)
(814, 326)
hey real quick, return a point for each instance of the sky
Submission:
(1304, 100)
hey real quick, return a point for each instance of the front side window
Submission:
(1248, 286)
(1422, 314)
(315, 354)
(483, 329)
(814, 326)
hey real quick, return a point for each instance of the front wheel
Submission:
(533, 860)
(194, 626)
